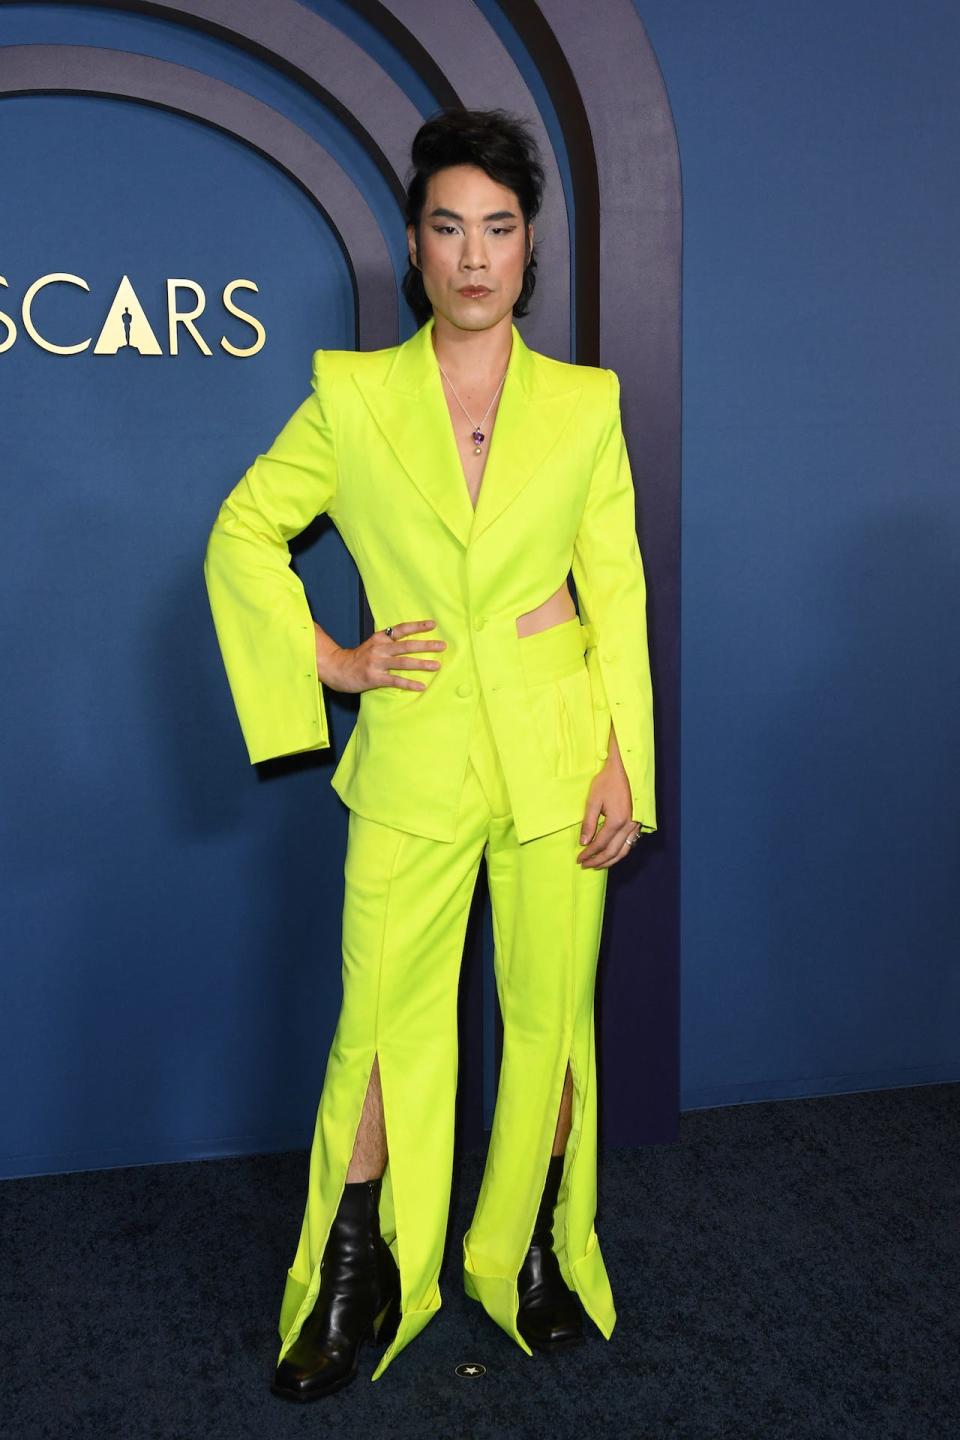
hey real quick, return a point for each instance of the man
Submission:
(467, 475)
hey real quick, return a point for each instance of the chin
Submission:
(470, 316)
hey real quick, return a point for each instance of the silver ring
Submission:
(388, 630)
(632, 839)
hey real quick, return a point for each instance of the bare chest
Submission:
(558, 606)
(472, 463)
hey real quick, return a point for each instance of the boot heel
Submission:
(386, 1323)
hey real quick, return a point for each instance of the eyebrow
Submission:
(497, 214)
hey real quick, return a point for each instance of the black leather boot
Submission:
(549, 1317)
(358, 1300)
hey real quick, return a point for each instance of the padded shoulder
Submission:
(594, 380)
(337, 365)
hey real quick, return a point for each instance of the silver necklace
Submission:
(477, 435)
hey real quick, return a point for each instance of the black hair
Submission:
(498, 142)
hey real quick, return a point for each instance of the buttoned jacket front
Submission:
(373, 446)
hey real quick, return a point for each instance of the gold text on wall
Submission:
(126, 326)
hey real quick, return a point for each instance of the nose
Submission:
(474, 255)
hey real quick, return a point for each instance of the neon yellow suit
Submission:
(495, 757)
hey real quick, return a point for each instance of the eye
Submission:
(497, 229)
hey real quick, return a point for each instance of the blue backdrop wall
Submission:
(821, 541)
(148, 878)
(146, 872)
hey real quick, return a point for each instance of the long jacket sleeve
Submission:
(611, 591)
(260, 611)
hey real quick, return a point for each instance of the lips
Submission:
(473, 292)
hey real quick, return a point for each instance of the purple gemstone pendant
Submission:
(478, 437)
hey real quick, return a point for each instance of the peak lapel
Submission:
(532, 415)
(411, 410)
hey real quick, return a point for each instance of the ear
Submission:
(412, 246)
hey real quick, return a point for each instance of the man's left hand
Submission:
(610, 798)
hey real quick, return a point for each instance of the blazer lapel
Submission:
(411, 411)
(537, 403)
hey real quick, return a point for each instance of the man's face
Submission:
(471, 233)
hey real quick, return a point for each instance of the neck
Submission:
(473, 359)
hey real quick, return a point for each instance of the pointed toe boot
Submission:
(550, 1313)
(358, 1300)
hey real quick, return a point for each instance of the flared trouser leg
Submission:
(406, 905)
(547, 918)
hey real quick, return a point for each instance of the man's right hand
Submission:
(366, 666)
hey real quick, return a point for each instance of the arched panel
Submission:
(609, 248)
(86, 70)
(456, 53)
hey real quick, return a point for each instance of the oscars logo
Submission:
(126, 327)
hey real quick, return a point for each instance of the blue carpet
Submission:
(787, 1269)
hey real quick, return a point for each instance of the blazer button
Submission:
(464, 688)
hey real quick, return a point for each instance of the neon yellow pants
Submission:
(406, 906)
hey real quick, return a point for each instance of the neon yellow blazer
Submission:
(373, 446)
